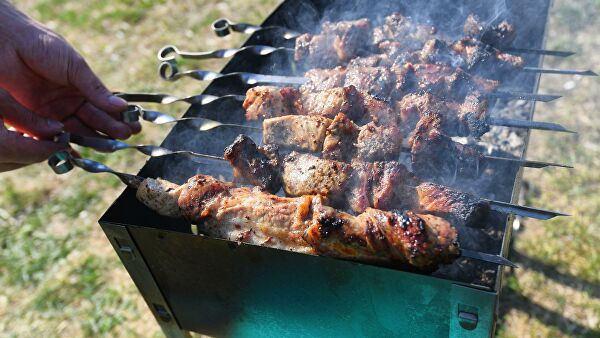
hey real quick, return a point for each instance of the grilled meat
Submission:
(338, 42)
(435, 155)
(457, 119)
(337, 139)
(401, 79)
(502, 34)
(266, 102)
(257, 165)
(305, 224)
(360, 185)
(399, 39)
(466, 118)
(296, 132)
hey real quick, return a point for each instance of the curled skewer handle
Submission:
(170, 52)
(62, 162)
(222, 27)
(168, 71)
(168, 99)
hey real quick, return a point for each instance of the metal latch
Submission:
(162, 313)
(126, 250)
(467, 317)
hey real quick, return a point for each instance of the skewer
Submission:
(156, 151)
(168, 99)
(168, 71)
(524, 211)
(134, 112)
(222, 27)
(170, 52)
(62, 162)
(505, 122)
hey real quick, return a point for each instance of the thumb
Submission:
(18, 149)
(26, 121)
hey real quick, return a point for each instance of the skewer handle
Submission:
(222, 27)
(168, 99)
(62, 162)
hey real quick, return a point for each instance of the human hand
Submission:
(43, 75)
(18, 150)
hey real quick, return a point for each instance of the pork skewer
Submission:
(468, 118)
(223, 27)
(357, 185)
(314, 81)
(303, 224)
(263, 173)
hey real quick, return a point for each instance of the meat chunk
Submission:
(435, 155)
(322, 79)
(337, 43)
(462, 208)
(377, 81)
(266, 102)
(296, 132)
(378, 143)
(339, 140)
(502, 34)
(305, 174)
(333, 101)
(253, 164)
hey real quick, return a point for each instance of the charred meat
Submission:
(305, 224)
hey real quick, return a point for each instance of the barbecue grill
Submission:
(195, 283)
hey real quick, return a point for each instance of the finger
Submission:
(52, 57)
(16, 148)
(26, 121)
(102, 122)
(75, 126)
(10, 166)
(81, 76)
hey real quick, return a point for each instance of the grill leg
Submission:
(138, 270)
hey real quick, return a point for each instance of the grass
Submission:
(59, 276)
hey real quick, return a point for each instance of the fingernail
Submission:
(53, 124)
(117, 102)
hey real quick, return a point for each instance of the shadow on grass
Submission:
(512, 299)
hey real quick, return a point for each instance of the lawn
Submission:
(60, 277)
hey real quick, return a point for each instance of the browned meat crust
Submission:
(306, 224)
(255, 165)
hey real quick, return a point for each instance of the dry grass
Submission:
(60, 277)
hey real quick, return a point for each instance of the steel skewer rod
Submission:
(222, 27)
(168, 71)
(134, 112)
(168, 99)
(62, 162)
(496, 259)
(170, 52)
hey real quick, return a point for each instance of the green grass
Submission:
(59, 276)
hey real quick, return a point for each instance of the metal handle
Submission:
(168, 71)
(170, 52)
(62, 162)
(168, 99)
(222, 27)
(134, 112)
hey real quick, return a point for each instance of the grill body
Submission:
(221, 288)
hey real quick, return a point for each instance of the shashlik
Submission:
(356, 186)
(399, 37)
(467, 118)
(304, 224)
(400, 79)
